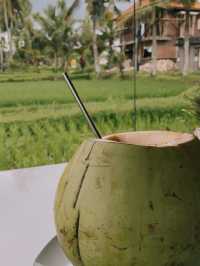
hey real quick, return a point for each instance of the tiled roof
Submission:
(178, 5)
(173, 4)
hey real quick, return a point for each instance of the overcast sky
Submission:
(39, 5)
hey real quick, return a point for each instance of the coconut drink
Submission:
(132, 199)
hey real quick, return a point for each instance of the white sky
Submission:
(39, 5)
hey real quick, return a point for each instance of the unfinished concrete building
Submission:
(169, 32)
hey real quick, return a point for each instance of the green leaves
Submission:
(57, 28)
(95, 8)
(49, 141)
(197, 106)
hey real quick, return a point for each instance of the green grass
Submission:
(49, 141)
(28, 75)
(39, 76)
(48, 92)
(41, 124)
(54, 111)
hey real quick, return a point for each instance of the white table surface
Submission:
(26, 213)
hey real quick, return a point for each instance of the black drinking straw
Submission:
(81, 106)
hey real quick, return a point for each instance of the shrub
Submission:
(197, 106)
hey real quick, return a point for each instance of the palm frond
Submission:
(117, 10)
(71, 9)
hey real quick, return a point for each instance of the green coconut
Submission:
(132, 199)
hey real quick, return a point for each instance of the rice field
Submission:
(40, 124)
(44, 92)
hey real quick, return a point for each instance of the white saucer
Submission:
(52, 255)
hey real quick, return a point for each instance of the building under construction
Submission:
(162, 27)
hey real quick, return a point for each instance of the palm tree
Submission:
(12, 11)
(187, 4)
(1, 39)
(85, 37)
(95, 9)
(154, 43)
(6, 23)
(1, 52)
(109, 32)
(153, 23)
(57, 28)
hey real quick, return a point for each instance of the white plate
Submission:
(26, 205)
(52, 255)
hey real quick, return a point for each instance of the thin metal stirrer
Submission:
(81, 106)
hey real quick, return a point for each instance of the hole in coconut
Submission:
(151, 138)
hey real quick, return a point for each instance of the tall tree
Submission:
(154, 43)
(85, 37)
(95, 9)
(154, 21)
(109, 33)
(1, 52)
(187, 4)
(57, 27)
(6, 24)
(1, 40)
(12, 11)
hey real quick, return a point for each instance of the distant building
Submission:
(170, 31)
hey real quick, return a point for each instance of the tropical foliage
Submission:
(57, 30)
(56, 36)
(197, 106)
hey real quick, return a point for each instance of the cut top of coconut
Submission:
(151, 138)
